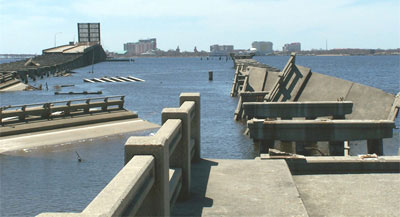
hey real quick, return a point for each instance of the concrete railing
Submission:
(252, 89)
(306, 110)
(4, 77)
(157, 169)
(237, 81)
(60, 108)
(248, 96)
(174, 146)
(289, 110)
(322, 130)
(284, 77)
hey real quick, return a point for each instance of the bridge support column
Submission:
(375, 146)
(336, 148)
(264, 145)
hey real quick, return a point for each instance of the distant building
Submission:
(262, 47)
(292, 47)
(220, 50)
(143, 46)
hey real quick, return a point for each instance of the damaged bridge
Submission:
(54, 61)
(295, 100)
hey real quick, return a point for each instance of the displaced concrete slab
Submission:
(272, 76)
(256, 78)
(322, 87)
(369, 102)
(65, 121)
(241, 188)
(71, 134)
(350, 194)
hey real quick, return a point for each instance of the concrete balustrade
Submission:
(174, 146)
(252, 90)
(157, 168)
(238, 80)
(308, 110)
(63, 108)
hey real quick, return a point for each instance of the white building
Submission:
(292, 47)
(262, 47)
(220, 50)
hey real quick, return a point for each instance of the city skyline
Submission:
(31, 26)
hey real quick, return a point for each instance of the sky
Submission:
(29, 26)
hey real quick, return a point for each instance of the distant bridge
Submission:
(16, 56)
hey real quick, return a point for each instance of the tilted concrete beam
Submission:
(320, 130)
(297, 109)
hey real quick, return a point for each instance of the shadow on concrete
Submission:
(198, 200)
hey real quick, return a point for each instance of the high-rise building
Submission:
(262, 47)
(292, 47)
(143, 46)
(220, 50)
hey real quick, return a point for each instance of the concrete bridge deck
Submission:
(222, 187)
(43, 132)
(241, 188)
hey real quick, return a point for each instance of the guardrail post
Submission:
(87, 107)
(180, 158)
(22, 116)
(1, 115)
(68, 109)
(104, 107)
(121, 106)
(195, 125)
(46, 110)
(157, 201)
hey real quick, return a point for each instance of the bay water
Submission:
(33, 181)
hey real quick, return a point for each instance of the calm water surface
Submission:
(51, 180)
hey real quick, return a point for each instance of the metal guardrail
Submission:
(49, 109)
(157, 168)
(4, 77)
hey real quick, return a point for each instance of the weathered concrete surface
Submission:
(369, 103)
(241, 188)
(272, 76)
(257, 78)
(71, 134)
(350, 194)
(320, 130)
(300, 165)
(311, 109)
